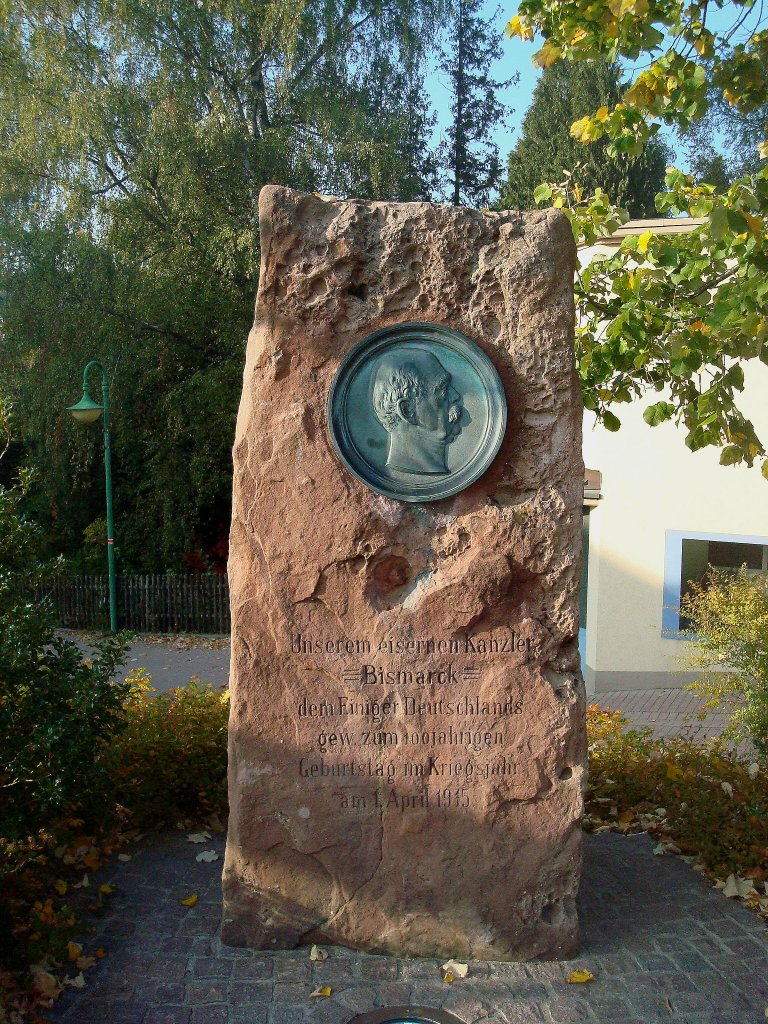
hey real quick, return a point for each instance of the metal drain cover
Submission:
(406, 1015)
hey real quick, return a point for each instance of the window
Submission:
(688, 556)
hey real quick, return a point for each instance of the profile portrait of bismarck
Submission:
(416, 403)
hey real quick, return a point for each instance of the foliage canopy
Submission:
(675, 314)
(546, 149)
(134, 140)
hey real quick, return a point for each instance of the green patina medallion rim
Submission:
(406, 1015)
(434, 337)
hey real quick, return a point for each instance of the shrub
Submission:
(728, 643)
(714, 803)
(57, 711)
(170, 759)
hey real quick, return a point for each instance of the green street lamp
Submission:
(88, 411)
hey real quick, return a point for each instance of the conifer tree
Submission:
(546, 148)
(468, 153)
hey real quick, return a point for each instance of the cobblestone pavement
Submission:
(669, 712)
(662, 944)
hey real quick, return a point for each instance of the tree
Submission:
(678, 315)
(129, 177)
(468, 152)
(546, 149)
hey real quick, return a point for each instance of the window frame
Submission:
(673, 564)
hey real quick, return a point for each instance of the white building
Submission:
(663, 513)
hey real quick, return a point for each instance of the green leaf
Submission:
(542, 192)
(718, 223)
(610, 421)
(731, 455)
(658, 413)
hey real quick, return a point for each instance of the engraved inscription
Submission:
(447, 736)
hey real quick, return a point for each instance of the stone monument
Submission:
(407, 740)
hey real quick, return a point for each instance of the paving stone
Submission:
(570, 1011)
(216, 1013)
(395, 993)
(212, 967)
(248, 1015)
(252, 969)
(206, 991)
(256, 993)
(286, 992)
(167, 1015)
(380, 968)
(358, 999)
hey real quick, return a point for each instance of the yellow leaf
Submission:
(644, 241)
(548, 55)
(580, 977)
(762, 150)
(674, 773)
(74, 949)
(517, 27)
(732, 98)
(60, 886)
(601, 114)
(190, 901)
(700, 326)
(106, 890)
(639, 95)
(755, 224)
(448, 979)
(318, 954)
(321, 993)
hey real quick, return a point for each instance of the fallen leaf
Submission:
(735, 886)
(60, 886)
(106, 890)
(318, 954)
(124, 857)
(666, 1004)
(44, 984)
(82, 884)
(753, 770)
(455, 968)
(92, 860)
(74, 949)
(448, 979)
(77, 982)
(321, 993)
(580, 977)
(727, 788)
(207, 856)
(190, 901)
(198, 837)
(85, 962)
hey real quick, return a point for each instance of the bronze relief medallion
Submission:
(417, 412)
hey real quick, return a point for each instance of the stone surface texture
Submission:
(415, 827)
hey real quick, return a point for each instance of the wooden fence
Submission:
(189, 603)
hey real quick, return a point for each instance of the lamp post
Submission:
(88, 411)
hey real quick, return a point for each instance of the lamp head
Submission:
(86, 410)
